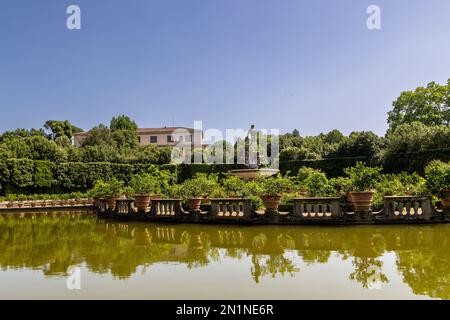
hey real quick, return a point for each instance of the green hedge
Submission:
(187, 171)
(332, 167)
(28, 177)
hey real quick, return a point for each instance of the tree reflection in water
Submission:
(52, 242)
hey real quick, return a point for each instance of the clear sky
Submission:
(285, 64)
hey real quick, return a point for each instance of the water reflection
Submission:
(52, 242)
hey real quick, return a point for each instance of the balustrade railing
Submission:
(230, 209)
(304, 210)
(408, 208)
(124, 207)
(167, 208)
(318, 208)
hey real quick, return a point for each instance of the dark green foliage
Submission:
(362, 177)
(186, 171)
(410, 147)
(43, 175)
(57, 129)
(28, 176)
(123, 122)
(438, 177)
(360, 144)
(99, 136)
(332, 167)
(428, 105)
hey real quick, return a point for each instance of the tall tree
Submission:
(429, 105)
(123, 122)
(124, 131)
(99, 135)
(58, 129)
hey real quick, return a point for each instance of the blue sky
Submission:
(285, 64)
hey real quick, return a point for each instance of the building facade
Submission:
(160, 137)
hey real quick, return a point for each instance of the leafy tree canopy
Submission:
(58, 129)
(428, 105)
(123, 122)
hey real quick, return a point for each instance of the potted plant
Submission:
(129, 193)
(33, 200)
(10, 198)
(318, 185)
(99, 191)
(234, 187)
(272, 190)
(196, 189)
(438, 180)
(51, 200)
(163, 177)
(363, 180)
(144, 185)
(20, 200)
(113, 190)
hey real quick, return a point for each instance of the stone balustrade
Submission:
(46, 204)
(405, 209)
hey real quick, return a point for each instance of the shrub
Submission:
(111, 188)
(145, 184)
(219, 192)
(318, 185)
(233, 186)
(114, 187)
(274, 186)
(288, 198)
(341, 185)
(363, 178)
(315, 182)
(438, 177)
(174, 191)
(199, 187)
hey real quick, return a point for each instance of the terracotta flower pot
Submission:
(194, 204)
(271, 202)
(111, 202)
(361, 201)
(446, 199)
(142, 202)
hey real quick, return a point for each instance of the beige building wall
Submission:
(161, 137)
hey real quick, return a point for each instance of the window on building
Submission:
(170, 138)
(153, 139)
(139, 139)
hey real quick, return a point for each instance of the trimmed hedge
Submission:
(187, 171)
(332, 167)
(24, 176)
(33, 176)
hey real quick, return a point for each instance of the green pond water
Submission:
(136, 260)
